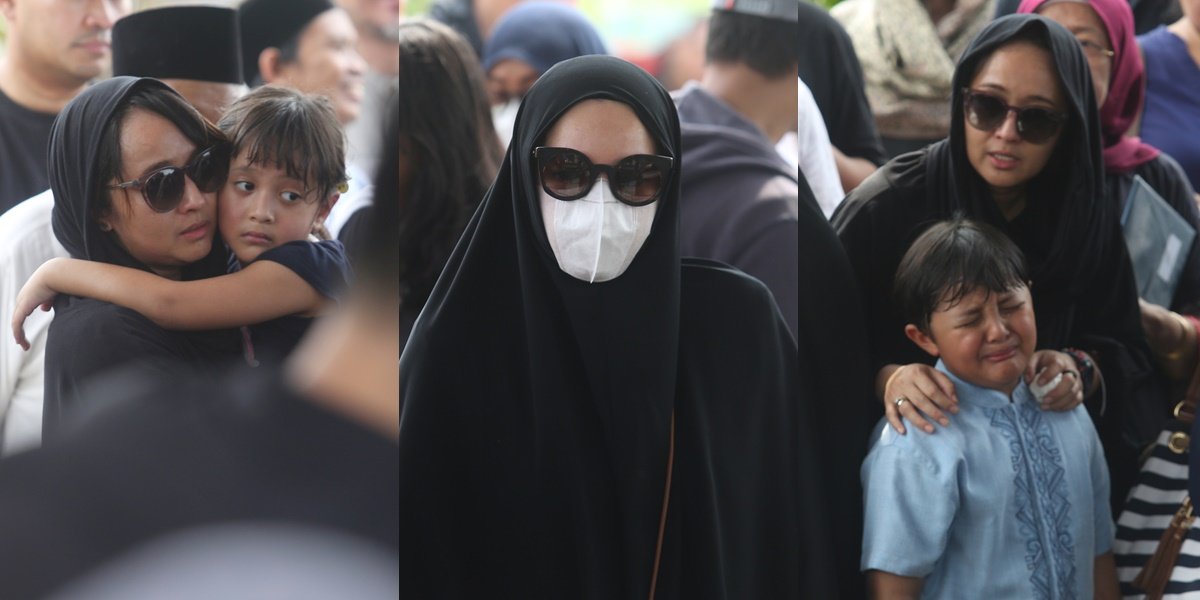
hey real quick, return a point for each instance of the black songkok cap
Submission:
(179, 42)
(270, 24)
(782, 10)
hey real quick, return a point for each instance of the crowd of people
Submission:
(463, 305)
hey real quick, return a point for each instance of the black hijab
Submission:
(75, 142)
(1066, 195)
(555, 349)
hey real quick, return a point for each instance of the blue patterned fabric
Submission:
(1007, 502)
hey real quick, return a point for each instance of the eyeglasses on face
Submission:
(636, 180)
(1094, 50)
(986, 112)
(162, 188)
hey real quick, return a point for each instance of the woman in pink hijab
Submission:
(1105, 30)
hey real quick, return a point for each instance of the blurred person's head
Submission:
(287, 165)
(528, 40)
(449, 152)
(752, 45)
(682, 60)
(310, 45)
(135, 171)
(531, 38)
(62, 43)
(193, 49)
(379, 19)
(377, 22)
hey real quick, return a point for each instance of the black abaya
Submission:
(537, 409)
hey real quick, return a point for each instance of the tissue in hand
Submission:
(1040, 391)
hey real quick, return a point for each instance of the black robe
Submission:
(89, 337)
(1083, 286)
(537, 409)
(163, 456)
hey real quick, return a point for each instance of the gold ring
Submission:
(899, 401)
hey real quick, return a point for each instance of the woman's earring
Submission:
(105, 227)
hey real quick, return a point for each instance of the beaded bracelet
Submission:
(1087, 368)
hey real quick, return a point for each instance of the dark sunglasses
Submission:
(163, 188)
(986, 112)
(635, 180)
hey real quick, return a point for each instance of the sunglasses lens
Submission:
(638, 180)
(1037, 125)
(163, 189)
(985, 112)
(566, 174)
(208, 170)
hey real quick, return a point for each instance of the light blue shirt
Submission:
(1009, 501)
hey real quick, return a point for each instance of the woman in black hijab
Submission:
(134, 169)
(567, 439)
(1024, 156)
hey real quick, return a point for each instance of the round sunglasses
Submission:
(986, 112)
(162, 188)
(636, 180)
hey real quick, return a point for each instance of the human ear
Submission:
(324, 212)
(921, 339)
(269, 65)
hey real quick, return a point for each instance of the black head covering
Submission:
(179, 42)
(1065, 198)
(270, 24)
(581, 376)
(74, 143)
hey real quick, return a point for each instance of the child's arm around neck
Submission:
(261, 291)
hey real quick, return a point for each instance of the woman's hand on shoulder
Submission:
(918, 393)
(1044, 367)
(36, 292)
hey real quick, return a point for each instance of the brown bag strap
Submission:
(662, 519)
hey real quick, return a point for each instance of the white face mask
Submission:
(504, 116)
(596, 237)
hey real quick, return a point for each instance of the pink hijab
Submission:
(1126, 88)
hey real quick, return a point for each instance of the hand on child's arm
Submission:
(882, 585)
(36, 292)
(926, 392)
(1045, 366)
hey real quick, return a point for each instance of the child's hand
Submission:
(1045, 366)
(917, 391)
(35, 293)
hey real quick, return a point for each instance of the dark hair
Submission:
(758, 42)
(298, 133)
(950, 260)
(450, 145)
(163, 102)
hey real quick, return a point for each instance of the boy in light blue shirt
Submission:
(1011, 501)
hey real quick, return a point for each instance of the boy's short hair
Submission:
(298, 133)
(950, 260)
(769, 46)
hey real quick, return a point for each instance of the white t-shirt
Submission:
(26, 241)
(812, 152)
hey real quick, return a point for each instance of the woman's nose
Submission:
(1008, 127)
